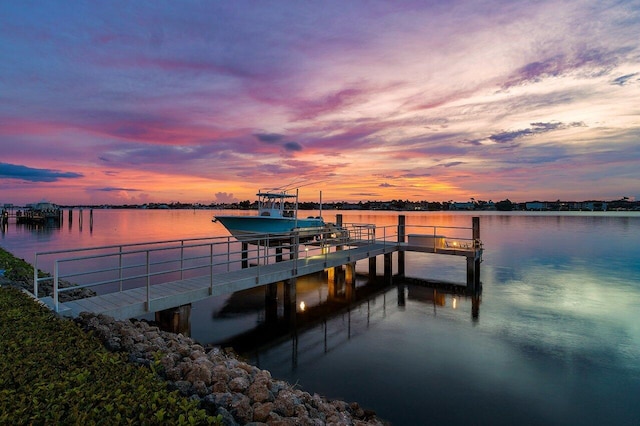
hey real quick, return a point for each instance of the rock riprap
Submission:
(242, 393)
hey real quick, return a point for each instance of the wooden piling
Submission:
(271, 303)
(473, 263)
(175, 320)
(401, 239)
(350, 273)
(372, 268)
(388, 267)
(289, 299)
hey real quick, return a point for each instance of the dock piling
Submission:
(401, 239)
(175, 320)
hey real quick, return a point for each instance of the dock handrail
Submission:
(149, 263)
(144, 262)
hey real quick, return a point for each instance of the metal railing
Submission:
(117, 268)
(120, 267)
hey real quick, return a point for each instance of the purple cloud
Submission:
(30, 174)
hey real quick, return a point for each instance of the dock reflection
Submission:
(329, 315)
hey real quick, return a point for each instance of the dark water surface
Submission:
(554, 337)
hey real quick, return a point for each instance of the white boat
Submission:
(274, 217)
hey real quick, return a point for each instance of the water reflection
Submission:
(328, 316)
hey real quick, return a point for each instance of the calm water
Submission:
(553, 339)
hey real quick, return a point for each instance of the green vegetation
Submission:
(52, 372)
(15, 269)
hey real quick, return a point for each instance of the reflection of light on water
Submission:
(454, 303)
(302, 306)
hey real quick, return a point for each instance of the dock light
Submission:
(306, 251)
(454, 302)
(302, 306)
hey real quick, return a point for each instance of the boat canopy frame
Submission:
(273, 204)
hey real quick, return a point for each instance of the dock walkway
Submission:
(156, 290)
(133, 302)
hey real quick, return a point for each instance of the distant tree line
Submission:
(405, 205)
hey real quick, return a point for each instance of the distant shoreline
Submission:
(624, 204)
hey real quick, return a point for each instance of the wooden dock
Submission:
(151, 292)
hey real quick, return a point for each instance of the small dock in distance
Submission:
(166, 277)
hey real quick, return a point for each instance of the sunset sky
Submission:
(208, 101)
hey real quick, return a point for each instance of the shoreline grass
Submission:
(53, 372)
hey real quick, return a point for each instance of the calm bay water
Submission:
(553, 339)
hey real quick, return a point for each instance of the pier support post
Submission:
(350, 281)
(350, 273)
(289, 300)
(175, 320)
(271, 303)
(473, 263)
(388, 267)
(331, 274)
(401, 238)
(471, 273)
(372, 268)
(245, 255)
(332, 283)
(402, 302)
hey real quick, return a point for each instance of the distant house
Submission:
(462, 206)
(536, 205)
(594, 206)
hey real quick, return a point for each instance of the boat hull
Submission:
(246, 228)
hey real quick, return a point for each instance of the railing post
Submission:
(148, 284)
(55, 286)
(120, 266)
(296, 240)
(211, 269)
(181, 259)
(35, 277)
(257, 261)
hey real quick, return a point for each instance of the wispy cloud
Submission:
(534, 129)
(625, 79)
(116, 189)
